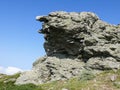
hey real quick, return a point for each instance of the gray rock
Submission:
(113, 77)
(102, 63)
(71, 33)
(69, 29)
(51, 69)
(74, 42)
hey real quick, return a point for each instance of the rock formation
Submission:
(74, 42)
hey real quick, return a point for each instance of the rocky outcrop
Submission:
(74, 42)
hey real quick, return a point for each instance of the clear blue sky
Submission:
(20, 44)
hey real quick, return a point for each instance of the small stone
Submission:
(64, 89)
(113, 78)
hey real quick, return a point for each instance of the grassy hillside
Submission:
(108, 80)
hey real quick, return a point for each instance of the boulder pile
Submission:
(74, 42)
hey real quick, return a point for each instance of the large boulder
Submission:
(74, 42)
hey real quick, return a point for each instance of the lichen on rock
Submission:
(74, 42)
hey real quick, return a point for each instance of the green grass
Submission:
(7, 83)
(87, 81)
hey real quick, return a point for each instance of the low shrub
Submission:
(86, 75)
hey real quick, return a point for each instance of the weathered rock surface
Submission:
(48, 69)
(74, 42)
